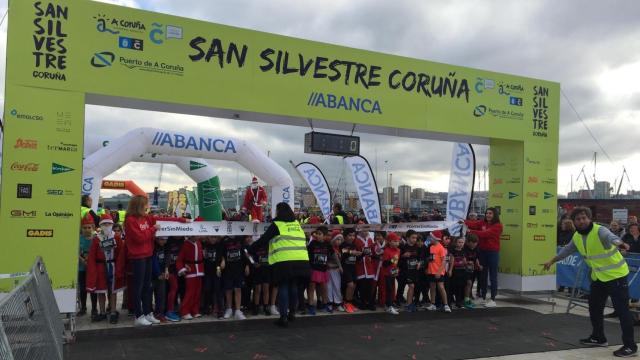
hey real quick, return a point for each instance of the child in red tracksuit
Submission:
(190, 263)
(390, 257)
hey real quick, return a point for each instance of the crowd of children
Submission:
(226, 277)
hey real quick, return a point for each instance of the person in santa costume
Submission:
(105, 268)
(366, 269)
(255, 200)
(190, 263)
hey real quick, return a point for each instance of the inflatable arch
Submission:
(176, 147)
(209, 194)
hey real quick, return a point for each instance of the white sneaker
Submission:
(391, 310)
(150, 318)
(340, 308)
(228, 313)
(274, 310)
(187, 317)
(197, 316)
(239, 315)
(432, 307)
(490, 304)
(142, 321)
(447, 309)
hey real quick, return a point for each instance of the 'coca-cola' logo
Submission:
(31, 167)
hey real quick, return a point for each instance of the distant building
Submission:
(387, 195)
(404, 197)
(417, 194)
(603, 190)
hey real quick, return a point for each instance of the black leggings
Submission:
(142, 287)
(82, 289)
(365, 288)
(388, 285)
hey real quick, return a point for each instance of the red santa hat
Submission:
(254, 180)
(437, 235)
(106, 218)
(393, 237)
(335, 233)
(87, 220)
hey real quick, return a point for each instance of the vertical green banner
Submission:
(41, 175)
(505, 176)
(210, 199)
(192, 202)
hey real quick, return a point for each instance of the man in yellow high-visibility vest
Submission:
(599, 249)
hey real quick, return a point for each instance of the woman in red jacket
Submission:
(488, 232)
(140, 229)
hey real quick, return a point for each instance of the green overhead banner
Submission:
(70, 53)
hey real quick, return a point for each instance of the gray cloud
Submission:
(572, 42)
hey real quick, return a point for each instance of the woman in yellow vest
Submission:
(85, 208)
(599, 248)
(288, 258)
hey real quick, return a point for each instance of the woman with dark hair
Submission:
(288, 257)
(488, 231)
(140, 229)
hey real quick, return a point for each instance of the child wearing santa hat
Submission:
(390, 257)
(105, 268)
(334, 270)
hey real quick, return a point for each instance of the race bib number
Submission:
(209, 255)
(160, 256)
(394, 272)
(366, 251)
(412, 264)
(233, 255)
(107, 244)
(320, 259)
(263, 259)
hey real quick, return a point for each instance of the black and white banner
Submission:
(461, 179)
(367, 188)
(239, 228)
(318, 184)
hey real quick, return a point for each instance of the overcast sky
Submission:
(591, 47)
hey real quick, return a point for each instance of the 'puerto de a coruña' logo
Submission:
(103, 59)
(479, 110)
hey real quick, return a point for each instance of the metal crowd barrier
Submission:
(30, 323)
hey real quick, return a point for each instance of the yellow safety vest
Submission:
(121, 215)
(100, 212)
(84, 211)
(606, 264)
(289, 245)
(340, 219)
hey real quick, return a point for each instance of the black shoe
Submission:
(255, 311)
(98, 317)
(113, 317)
(611, 315)
(371, 307)
(266, 311)
(94, 312)
(626, 351)
(291, 317)
(590, 341)
(282, 322)
(82, 312)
